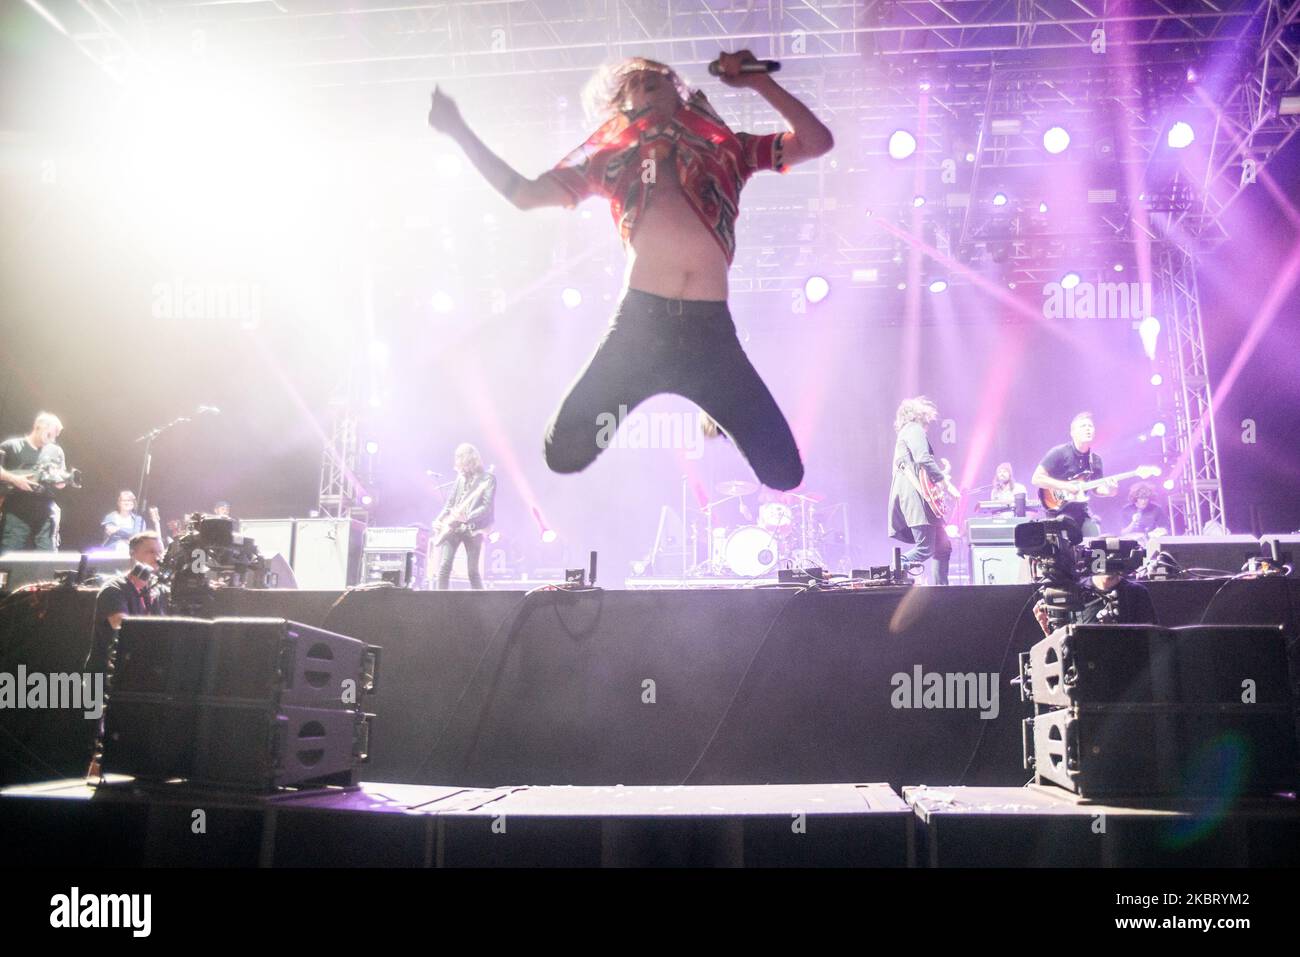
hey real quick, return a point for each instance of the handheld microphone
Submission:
(754, 66)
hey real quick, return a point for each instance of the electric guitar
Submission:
(1054, 499)
(443, 530)
(934, 493)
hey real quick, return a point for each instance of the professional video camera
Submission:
(210, 552)
(1063, 564)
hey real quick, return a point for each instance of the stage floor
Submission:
(69, 823)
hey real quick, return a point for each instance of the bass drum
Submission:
(751, 551)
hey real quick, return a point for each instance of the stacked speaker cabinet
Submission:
(1139, 710)
(327, 552)
(246, 703)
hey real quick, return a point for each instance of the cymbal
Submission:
(791, 497)
(736, 487)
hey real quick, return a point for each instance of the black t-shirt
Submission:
(119, 597)
(1135, 606)
(1066, 463)
(1147, 519)
(21, 456)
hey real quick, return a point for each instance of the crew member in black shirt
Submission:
(1146, 519)
(128, 595)
(1065, 468)
(29, 520)
(1130, 600)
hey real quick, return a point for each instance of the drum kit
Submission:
(783, 530)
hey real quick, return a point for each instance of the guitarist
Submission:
(1065, 468)
(468, 511)
(911, 518)
(29, 520)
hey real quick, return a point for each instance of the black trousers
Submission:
(473, 553)
(683, 346)
(932, 541)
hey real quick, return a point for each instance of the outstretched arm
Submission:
(521, 192)
(808, 137)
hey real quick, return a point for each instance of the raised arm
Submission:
(521, 192)
(808, 137)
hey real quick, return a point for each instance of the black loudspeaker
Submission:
(256, 703)
(1139, 710)
(1219, 553)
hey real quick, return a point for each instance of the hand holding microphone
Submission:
(741, 68)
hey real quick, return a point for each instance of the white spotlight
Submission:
(1157, 379)
(938, 285)
(902, 144)
(1069, 280)
(1180, 135)
(815, 289)
(1056, 140)
(999, 199)
(571, 298)
(1158, 429)
(1149, 330)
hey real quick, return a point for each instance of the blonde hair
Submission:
(468, 455)
(917, 409)
(45, 420)
(606, 91)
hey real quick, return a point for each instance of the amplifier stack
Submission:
(398, 556)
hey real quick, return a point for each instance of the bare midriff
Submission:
(672, 253)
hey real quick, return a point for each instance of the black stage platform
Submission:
(68, 824)
(727, 687)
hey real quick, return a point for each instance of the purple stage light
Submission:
(999, 199)
(1157, 379)
(1149, 330)
(938, 285)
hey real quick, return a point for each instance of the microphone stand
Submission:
(147, 439)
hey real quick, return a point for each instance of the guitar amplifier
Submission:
(414, 538)
(327, 552)
(994, 530)
(997, 565)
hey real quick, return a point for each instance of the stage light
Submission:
(1168, 485)
(952, 530)
(1180, 135)
(1119, 267)
(571, 298)
(902, 144)
(1149, 331)
(925, 86)
(1056, 140)
(1157, 379)
(1069, 280)
(999, 199)
(938, 285)
(815, 289)
(1289, 105)
(902, 286)
(442, 302)
(1158, 430)
(1042, 207)
(1192, 75)
(549, 535)
(367, 501)
(449, 164)
(918, 201)
(372, 447)
(970, 157)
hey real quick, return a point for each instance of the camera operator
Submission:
(1107, 596)
(133, 594)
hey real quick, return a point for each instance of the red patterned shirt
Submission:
(712, 164)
